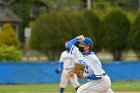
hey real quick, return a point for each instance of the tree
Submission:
(51, 30)
(126, 4)
(23, 8)
(8, 36)
(91, 22)
(47, 34)
(10, 53)
(63, 5)
(115, 28)
(133, 38)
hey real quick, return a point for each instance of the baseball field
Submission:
(118, 87)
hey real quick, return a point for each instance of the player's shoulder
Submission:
(64, 52)
(93, 54)
(94, 57)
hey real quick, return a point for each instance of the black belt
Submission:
(68, 68)
(104, 74)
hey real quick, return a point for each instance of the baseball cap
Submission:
(87, 41)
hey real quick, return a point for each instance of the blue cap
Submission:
(87, 41)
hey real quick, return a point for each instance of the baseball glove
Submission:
(78, 70)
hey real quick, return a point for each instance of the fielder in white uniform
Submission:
(67, 61)
(99, 81)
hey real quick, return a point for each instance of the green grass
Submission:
(127, 86)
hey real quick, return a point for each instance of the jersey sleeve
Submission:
(75, 52)
(61, 57)
(97, 66)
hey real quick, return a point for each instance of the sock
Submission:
(62, 90)
(76, 88)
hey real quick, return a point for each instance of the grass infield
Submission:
(118, 87)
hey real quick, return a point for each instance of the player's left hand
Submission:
(57, 70)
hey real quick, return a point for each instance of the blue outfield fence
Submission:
(27, 72)
(119, 71)
(44, 72)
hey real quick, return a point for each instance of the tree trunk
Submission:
(53, 55)
(139, 5)
(56, 55)
(138, 54)
(117, 55)
(49, 55)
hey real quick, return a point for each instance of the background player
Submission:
(99, 82)
(67, 62)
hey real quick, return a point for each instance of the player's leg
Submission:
(85, 88)
(74, 82)
(64, 81)
(109, 91)
(95, 86)
(91, 87)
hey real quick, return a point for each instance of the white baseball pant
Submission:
(97, 86)
(65, 79)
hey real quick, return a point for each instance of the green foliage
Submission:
(62, 5)
(100, 0)
(8, 35)
(133, 39)
(131, 16)
(46, 32)
(22, 9)
(104, 9)
(51, 30)
(115, 29)
(10, 53)
(91, 22)
(59, 27)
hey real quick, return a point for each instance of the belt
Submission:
(104, 74)
(68, 68)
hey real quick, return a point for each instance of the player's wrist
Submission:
(81, 37)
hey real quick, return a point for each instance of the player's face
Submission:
(85, 47)
(82, 45)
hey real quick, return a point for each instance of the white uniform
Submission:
(68, 64)
(93, 66)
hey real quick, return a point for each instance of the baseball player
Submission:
(99, 81)
(67, 62)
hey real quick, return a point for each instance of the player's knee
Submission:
(63, 85)
(79, 90)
